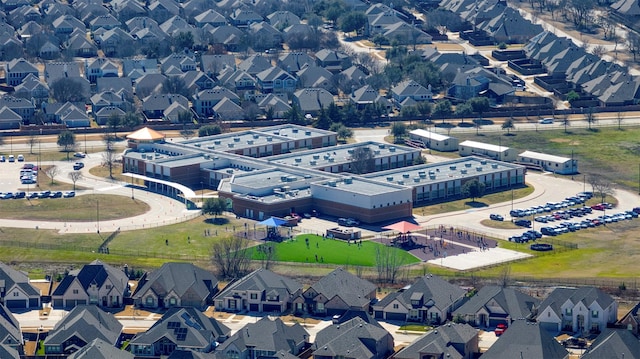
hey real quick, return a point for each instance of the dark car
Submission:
(496, 217)
(33, 195)
(57, 194)
(69, 194)
(77, 166)
(523, 223)
(19, 195)
(44, 194)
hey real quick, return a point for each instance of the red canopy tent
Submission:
(403, 227)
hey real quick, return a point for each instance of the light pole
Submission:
(201, 193)
(98, 216)
(132, 197)
(85, 141)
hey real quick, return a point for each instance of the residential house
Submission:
(79, 327)
(237, 80)
(406, 34)
(335, 294)
(578, 310)
(493, 305)
(64, 25)
(10, 46)
(368, 96)
(264, 338)
(185, 62)
(21, 106)
(10, 335)
(176, 284)
(78, 45)
(29, 29)
(312, 100)
(275, 104)
(210, 17)
(204, 100)
(526, 337)
(315, 76)
(103, 115)
(127, 9)
(100, 349)
(228, 110)
(139, 66)
(116, 42)
(197, 81)
(17, 69)
(259, 291)
(122, 86)
(255, 64)
(213, 65)
(8, 352)
(613, 343)
(282, 18)
(266, 35)
(626, 7)
(100, 67)
(49, 51)
(9, 119)
(294, 61)
(228, 36)
(176, 25)
(451, 340)
(353, 75)
(95, 283)
(275, 79)
(174, 113)
(153, 106)
(149, 83)
(32, 88)
(106, 22)
(180, 328)
(353, 339)
(429, 299)
(106, 99)
(243, 17)
(332, 60)
(162, 10)
(411, 89)
(631, 320)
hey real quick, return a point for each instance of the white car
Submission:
(546, 121)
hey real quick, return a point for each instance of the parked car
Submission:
(33, 195)
(500, 329)
(80, 155)
(523, 223)
(56, 194)
(546, 121)
(3, 159)
(7, 195)
(496, 217)
(12, 158)
(69, 194)
(19, 195)
(44, 194)
(20, 158)
(77, 166)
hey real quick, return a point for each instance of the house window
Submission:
(75, 291)
(233, 354)
(594, 313)
(15, 294)
(395, 306)
(108, 286)
(172, 301)
(320, 306)
(568, 312)
(254, 296)
(149, 300)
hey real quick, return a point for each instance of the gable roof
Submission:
(351, 339)
(12, 277)
(613, 343)
(586, 295)
(526, 340)
(441, 341)
(263, 280)
(267, 335)
(6, 352)
(86, 322)
(96, 273)
(9, 328)
(433, 289)
(186, 327)
(99, 349)
(341, 283)
(178, 278)
(516, 304)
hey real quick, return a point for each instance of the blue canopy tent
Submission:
(272, 224)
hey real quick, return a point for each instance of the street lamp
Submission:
(202, 193)
(98, 216)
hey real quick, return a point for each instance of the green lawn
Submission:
(331, 251)
(466, 203)
(612, 153)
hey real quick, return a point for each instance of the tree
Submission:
(424, 108)
(231, 257)
(52, 171)
(379, 40)
(362, 161)
(32, 141)
(566, 122)
(398, 130)
(175, 85)
(323, 121)
(294, 114)
(113, 122)
(214, 206)
(464, 110)
(67, 89)
(409, 112)
(442, 109)
(75, 176)
(473, 189)
(572, 96)
(479, 104)
(186, 119)
(266, 254)
(342, 131)
(590, 117)
(131, 119)
(620, 118)
(633, 43)
(183, 40)
(209, 130)
(601, 187)
(352, 21)
(67, 140)
(334, 114)
(388, 262)
(109, 159)
(508, 125)
(580, 11)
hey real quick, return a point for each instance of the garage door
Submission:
(254, 307)
(17, 303)
(73, 303)
(549, 326)
(271, 308)
(378, 314)
(58, 303)
(495, 321)
(395, 316)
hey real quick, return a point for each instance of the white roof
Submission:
(430, 135)
(484, 146)
(544, 157)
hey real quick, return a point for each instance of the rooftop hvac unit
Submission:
(483, 162)
(405, 175)
(316, 157)
(494, 165)
(381, 146)
(230, 145)
(198, 144)
(206, 156)
(211, 147)
(331, 159)
(312, 163)
(217, 142)
(479, 169)
(401, 182)
(464, 172)
(392, 149)
(249, 142)
(348, 180)
(256, 136)
(269, 139)
(452, 167)
(390, 178)
(308, 133)
(298, 159)
(468, 164)
(331, 183)
(294, 130)
(236, 139)
(416, 179)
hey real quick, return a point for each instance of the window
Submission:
(15, 294)
(75, 291)
(108, 286)
(232, 354)
(568, 312)
(149, 300)
(395, 306)
(172, 301)
(254, 296)
(594, 314)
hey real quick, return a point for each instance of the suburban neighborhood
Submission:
(319, 179)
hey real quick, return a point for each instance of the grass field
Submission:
(609, 152)
(324, 250)
(463, 204)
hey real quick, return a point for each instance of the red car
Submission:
(500, 329)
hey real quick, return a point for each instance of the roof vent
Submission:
(479, 169)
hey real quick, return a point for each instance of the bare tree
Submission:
(566, 122)
(362, 160)
(620, 118)
(52, 171)
(109, 157)
(32, 141)
(599, 50)
(590, 117)
(74, 176)
(231, 257)
(601, 187)
(633, 43)
(388, 263)
(266, 254)
(505, 276)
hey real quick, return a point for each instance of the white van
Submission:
(12, 158)
(20, 158)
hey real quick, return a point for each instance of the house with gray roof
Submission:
(9, 119)
(406, 34)
(275, 79)
(228, 36)
(259, 291)
(255, 64)
(493, 305)
(265, 34)
(10, 334)
(411, 89)
(631, 320)
(237, 80)
(116, 42)
(311, 100)
(32, 87)
(451, 340)
(66, 24)
(78, 45)
(106, 99)
(332, 60)
(174, 113)
(106, 22)
(367, 96)
(210, 17)
(294, 61)
(265, 338)
(21, 106)
(99, 349)
(8, 352)
(49, 50)
(100, 67)
(335, 294)
(525, 339)
(613, 343)
(95, 283)
(15, 289)
(79, 327)
(579, 310)
(429, 299)
(243, 17)
(176, 284)
(180, 328)
(276, 104)
(185, 62)
(626, 7)
(103, 115)
(161, 10)
(153, 106)
(17, 69)
(226, 109)
(127, 9)
(149, 83)
(213, 65)
(353, 339)
(190, 354)
(282, 18)
(205, 100)
(316, 76)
